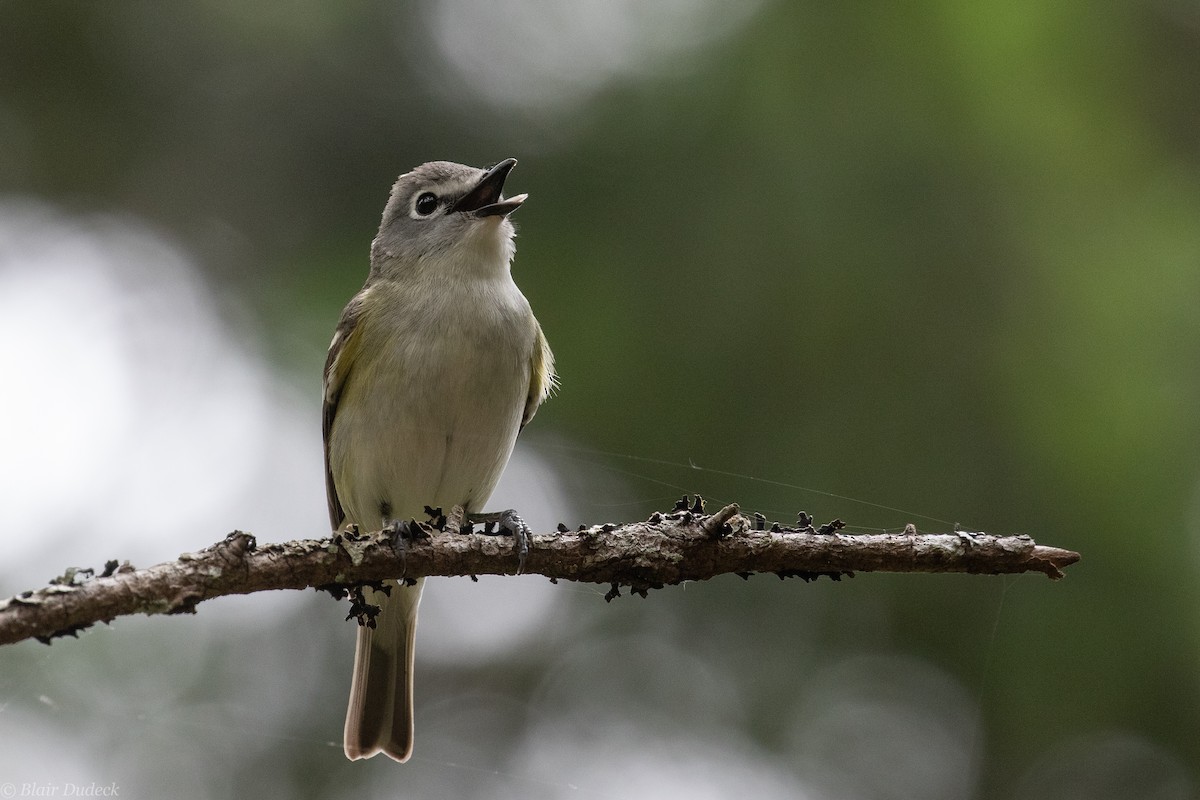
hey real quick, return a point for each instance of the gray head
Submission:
(448, 214)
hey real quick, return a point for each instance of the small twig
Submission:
(669, 548)
(718, 524)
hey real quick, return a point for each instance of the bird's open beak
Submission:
(484, 200)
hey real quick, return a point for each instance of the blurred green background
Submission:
(936, 257)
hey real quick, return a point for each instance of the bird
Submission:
(435, 366)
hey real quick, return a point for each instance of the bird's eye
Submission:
(427, 203)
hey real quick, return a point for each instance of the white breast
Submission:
(432, 406)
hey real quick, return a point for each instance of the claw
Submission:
(399, 531)
(510, 522)
(520, 531)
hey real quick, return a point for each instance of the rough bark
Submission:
(684, 545)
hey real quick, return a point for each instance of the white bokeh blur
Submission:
(552, 56)
(139, 423)
(887, 726)
(1108, 765)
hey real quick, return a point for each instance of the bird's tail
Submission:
(380, 714)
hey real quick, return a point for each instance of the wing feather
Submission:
(542, 380)
(342, 352)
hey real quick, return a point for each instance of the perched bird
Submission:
(435, 366)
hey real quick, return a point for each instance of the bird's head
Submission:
(446, 216)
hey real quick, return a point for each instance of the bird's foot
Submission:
(509, 522)
(401, 532)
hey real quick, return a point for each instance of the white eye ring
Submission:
(426, 204)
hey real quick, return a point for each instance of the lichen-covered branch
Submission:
(666, 549)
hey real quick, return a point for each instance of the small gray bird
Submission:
(435, 366)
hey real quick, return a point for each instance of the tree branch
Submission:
(684, 545)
